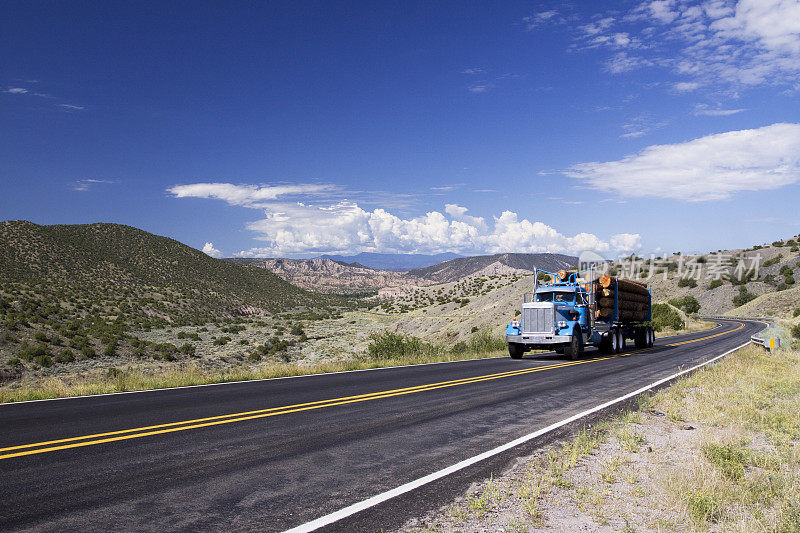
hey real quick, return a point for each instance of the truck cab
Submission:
(551, 317)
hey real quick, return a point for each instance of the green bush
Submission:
(222, 341)
(14, 362)
(714, 284)
(29, 353)
(796, 331)
(88, 352)
(44, 360)
(687, 282)
(253, 357)
(188, 348)
(743, 297)
(688, 303)
(666, 317)
(65, 356)
(297, 329)
(796, 313)
(388, 345)
(789, 280)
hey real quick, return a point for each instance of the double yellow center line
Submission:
(171, 427)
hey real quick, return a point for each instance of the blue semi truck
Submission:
(569, 313)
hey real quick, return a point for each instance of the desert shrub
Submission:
(743, 297)
(166, 348)
(222, 341)
(687, 282)
(459, 347)
(484, 341)
(41, 336)
(789, 280)
(65, 356)
(714, 284)
(44, 360)
(88, 352)
(796, 313)
(388, 345)
(14, 362)
(254, 356)
(29, 353)
(796, 331)
(297, 329)
(666, 317)
(688, 303)
(187, 348)
(111, 348)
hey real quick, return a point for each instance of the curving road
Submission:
(276, 454)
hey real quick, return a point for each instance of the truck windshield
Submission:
(564, 297)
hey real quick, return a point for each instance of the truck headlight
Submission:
(562, 323)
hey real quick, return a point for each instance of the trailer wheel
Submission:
(515, 350)
(623, 344)
(641, 337)
(651, 337)
(606, 344)
(617, 340)
(575, 348)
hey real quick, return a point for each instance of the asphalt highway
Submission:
(272, 455)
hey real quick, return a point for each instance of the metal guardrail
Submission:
(768, 343)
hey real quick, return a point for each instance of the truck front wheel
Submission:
(515, 350)
(575, 348)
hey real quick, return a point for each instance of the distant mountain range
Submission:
(325, 274)
(392, 262)
(329, 276)
(508, 263)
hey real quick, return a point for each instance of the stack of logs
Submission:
(633, 298)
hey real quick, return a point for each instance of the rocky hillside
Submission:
(326, 275)
(392, 262)
(155, 276)
(78, 296)
(497, 264)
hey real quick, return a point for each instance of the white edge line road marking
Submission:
(285, 377)
(411, 485)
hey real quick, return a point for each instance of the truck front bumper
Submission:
(539, 338)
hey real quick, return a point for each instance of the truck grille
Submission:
(537, 320)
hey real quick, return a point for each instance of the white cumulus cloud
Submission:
(245, 195)
(301, 228)
(208, 249)
(345, 227)
(713, 167)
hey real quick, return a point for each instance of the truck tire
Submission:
(606, 344)
(575, 348)
(515, 350)
(641, 337)
(623, 344)
(651, 337)
(617, 340)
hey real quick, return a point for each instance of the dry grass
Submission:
(180, 375)
(717, 451)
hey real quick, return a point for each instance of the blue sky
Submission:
(294, 129)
